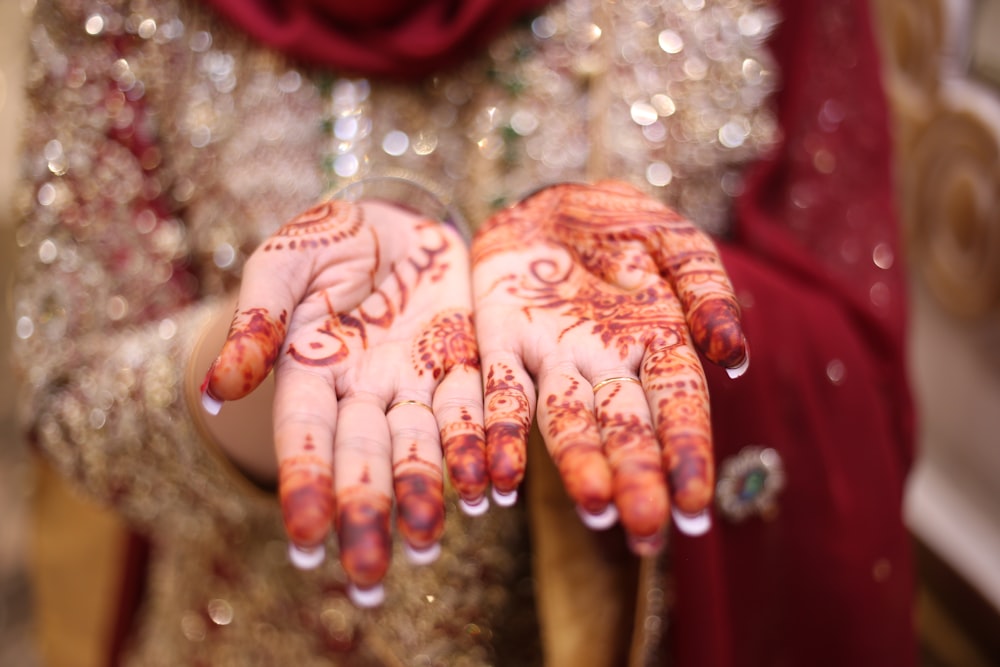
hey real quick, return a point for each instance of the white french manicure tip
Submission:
(211, 404)
(366, 597)
(422, 556)
(306, 558)
(476, 508)
(504, 499)
(607, 518)
(692, 525)
(739, 370)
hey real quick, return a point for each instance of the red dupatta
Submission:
(393, 38)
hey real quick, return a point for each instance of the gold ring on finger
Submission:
(410, 402)
(600, 384)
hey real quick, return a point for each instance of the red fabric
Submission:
(830, 581)
(393, 38)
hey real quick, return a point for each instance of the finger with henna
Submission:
(363, 490)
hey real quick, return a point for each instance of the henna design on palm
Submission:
(368, 313)
(616, 285)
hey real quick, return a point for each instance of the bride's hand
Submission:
(599, 298)
(364, 313)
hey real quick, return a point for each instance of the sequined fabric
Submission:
(162, 146)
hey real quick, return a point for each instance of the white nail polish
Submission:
(422, 556)
(692, 525)
(211, 404)
(607, 518)
(742, 368)
(475, 508)
(504, 499)
(366, 597)
(306, 558)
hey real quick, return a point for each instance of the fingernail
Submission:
(422, 556)
(475, 507)
(692, 525)
(211, 404)
(306, 558)
(601, 521)
(737, 371)
(504, 499)
(366, 597)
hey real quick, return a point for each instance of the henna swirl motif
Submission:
(322, 225)
(339, 328)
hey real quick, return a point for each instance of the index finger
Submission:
(690, 261)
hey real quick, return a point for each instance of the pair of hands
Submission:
(591, 303)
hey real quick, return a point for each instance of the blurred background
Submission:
(15, 470)
(943, 77)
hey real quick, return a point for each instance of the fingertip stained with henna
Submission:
(506, 454)
(715, 327)
(255, 338)
(691, 474)
(363, 530)
(419, 505)
(306, 495)
(464, 448)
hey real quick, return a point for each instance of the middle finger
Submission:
(363, 484)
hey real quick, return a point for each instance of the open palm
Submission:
(592, 303)
(363, 311)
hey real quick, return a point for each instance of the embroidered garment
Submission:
(163, 145)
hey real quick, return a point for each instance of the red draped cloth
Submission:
(393, 38)
(817, 257)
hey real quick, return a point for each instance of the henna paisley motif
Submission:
(449, 341)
